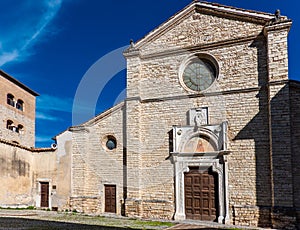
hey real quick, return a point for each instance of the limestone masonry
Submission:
(209, 130)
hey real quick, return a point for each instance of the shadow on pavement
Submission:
(23, 223)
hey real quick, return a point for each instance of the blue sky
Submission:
(51, 45)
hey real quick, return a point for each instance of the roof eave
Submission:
(18, 83)
(208, 8)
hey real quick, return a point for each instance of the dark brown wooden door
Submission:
(200, 195)
(44, 194)
(110, 198)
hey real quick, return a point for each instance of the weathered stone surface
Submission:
(257, 166)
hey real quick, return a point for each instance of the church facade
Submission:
(209, 129)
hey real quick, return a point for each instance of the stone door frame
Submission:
(182, 162)
(39, 182)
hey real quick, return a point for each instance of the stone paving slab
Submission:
(189, 226)
(195, 224)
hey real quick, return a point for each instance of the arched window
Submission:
(111, 142)
(10, 125)
(19, 129)
(20, 105)
(10, 99)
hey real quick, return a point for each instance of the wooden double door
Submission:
(200, 195)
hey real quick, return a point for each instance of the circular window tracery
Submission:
(199, 72)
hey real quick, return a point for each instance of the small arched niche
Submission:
(10, 99)
(199, 144)
(20, 105)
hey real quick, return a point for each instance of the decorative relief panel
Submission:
(198, 116)
(206, 138)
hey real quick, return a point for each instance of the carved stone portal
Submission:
(204, 147)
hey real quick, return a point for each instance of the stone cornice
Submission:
(31, 149)
(170, 23)
(239, 15)
(281, 82)
(202, 154)
(180, 97)
(202, 47)
(97, 118)
(216, 93)
(79, 129)
(131, 52)
(207, 8)
(18, 83)
(280, 25)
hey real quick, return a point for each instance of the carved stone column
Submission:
(227, 217)
(180, 169)
(218, 168)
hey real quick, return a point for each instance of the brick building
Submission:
(17, 111)
(28, 175)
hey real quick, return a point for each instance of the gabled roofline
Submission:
(30, 149)
(92, 120)
(99, 116)
(236, 10)
(18, 83)
(211, 8)
(166, 24)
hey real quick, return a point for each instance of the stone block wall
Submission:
(281, 146)
(295, 134)
(62, 181)
(24, 137)
(165, 103)
(250, 94)
(157, 209)
(241, 96)
(246, 215)
(249, 160)
(191, 31)
(17, 171)
(91, 205)
(249, 177)
(21, 171)
(242, 66)
(94, 165)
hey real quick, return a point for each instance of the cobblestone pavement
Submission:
(48, 220)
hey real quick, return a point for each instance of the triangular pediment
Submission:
(202, 23)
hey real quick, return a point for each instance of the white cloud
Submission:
(52, 9)
(42, 139)
(20, 32)
(43, 116)
(8, 57)
(47, 102)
